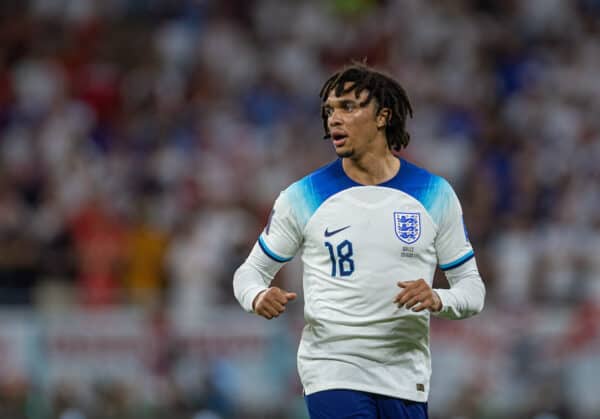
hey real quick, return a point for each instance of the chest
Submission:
(378, 227)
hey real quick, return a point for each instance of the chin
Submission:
(344, 153)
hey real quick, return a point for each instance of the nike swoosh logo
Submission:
(331, 233)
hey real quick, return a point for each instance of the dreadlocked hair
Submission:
(387, 92)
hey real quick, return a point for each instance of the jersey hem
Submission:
(403, 394)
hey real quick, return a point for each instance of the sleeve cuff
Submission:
(447, 300)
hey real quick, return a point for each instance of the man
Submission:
(371, 229)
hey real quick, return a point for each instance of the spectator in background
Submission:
(99, 240)
(99, 94)
(144, 259)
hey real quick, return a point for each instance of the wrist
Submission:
(437, 303)
(256, 299)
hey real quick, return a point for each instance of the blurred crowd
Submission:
(142, 143)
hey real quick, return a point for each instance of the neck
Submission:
(372, 168)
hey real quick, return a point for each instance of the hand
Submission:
(418, 295)
(271, 302)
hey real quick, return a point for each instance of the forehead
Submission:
(351, 95)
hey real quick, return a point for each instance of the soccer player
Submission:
(371, 229)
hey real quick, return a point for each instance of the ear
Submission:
(383, 117)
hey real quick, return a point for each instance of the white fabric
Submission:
(355, 336)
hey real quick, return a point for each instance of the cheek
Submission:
(357, 123)
(365, 125)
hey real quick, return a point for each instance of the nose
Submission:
(334, 119)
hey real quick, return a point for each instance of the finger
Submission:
(410, 289)
(277, 306)
(428, 302)
(406, 295)
(280, 297)
(402, 296)
(268, 309)
(409, 286)
(268, 314)
(276, 313)
(422, 306)
(414, 300)
(291, 296)
(416, 296)
(420, 299)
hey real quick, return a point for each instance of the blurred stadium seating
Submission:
(142, 144)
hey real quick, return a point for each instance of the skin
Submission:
(270, 303)
(366, 157)
(358, 137)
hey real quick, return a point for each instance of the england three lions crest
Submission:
(407, 226)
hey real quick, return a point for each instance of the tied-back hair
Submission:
(387, 92)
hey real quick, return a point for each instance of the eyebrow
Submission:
(336, 101)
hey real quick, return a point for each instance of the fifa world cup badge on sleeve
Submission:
(407, 226)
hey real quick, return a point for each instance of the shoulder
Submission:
(329, 174)
(418, 181)
(321, 183)
(433, 191)
(307, 194)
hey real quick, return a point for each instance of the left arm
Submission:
(466, 295)
(464, 298)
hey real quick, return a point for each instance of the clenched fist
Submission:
(271, 302)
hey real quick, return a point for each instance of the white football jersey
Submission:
(356, 243)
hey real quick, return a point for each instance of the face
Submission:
(354, 129)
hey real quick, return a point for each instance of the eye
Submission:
(349, 106)
(327, 110)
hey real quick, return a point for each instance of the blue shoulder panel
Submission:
(432, 191)
(307, 194)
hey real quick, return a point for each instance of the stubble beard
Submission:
(344, 153)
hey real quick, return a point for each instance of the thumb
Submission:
(291, 295)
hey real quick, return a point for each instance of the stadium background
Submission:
(142, 144)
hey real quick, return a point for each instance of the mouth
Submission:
(338, 138)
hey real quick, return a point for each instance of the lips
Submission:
(339, 138)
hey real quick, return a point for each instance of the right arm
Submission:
(277, 244)
(251, 285)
